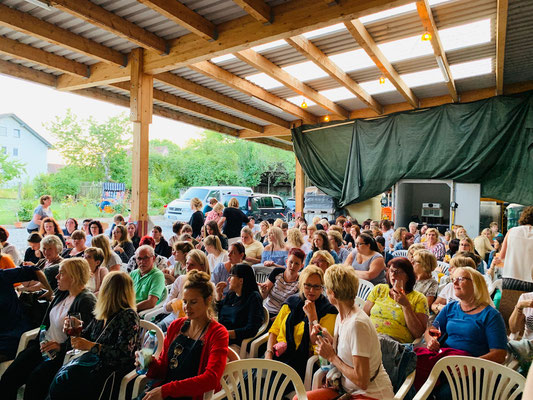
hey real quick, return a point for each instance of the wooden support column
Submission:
(141, 107)
(299, 189)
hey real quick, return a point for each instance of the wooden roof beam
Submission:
(111, 22)
(49, 60)
(262, 64)
(361, 35)
(30, 25)
(424, 11)
(184, 16)
(258, 9)
(100, 74)
(268, 131)
(226, 101)
(28, 74)
(313, 53)
(501, 33)
(227, 78)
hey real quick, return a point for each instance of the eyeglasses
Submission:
(396, 271)
(312, 287)
(460, 279)
(143, 258)
(173, 363)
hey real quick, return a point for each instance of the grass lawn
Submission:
(8, 208)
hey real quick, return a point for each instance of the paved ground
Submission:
(18, 236)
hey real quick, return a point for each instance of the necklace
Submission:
(467, 311)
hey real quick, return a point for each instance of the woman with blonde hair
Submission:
(215, 253)
(111, 259)
(122, 244)
(215, 214)
(254, 249)
(275, 253)
(113, 335)
(232, 220)
(295, 239)
(322, 259)
(482, 243)
(197, 217)
(424, 263)
(397, 238)
(434, 244)
(261, 236)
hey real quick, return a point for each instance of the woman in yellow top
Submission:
(291, 339)
(395, 308)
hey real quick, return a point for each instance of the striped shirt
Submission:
(280, 292)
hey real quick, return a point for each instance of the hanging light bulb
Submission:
(326, 118)
(304, 104)
(381, 80)
(426, 36)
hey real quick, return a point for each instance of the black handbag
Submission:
(33, 307)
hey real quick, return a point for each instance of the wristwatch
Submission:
(95, 349)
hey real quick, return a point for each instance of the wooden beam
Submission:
(196, 108)
(245, 86)
(262, 64)
(100, 74)
(184, 16)
(273, 143)
(268, 131)
(501, 33)
(211, 95)
(313, 53)
(28, 74)
(361, 35)
(258, 9)
(109, 21)
(424, 11)
(26, 52)
(299, 188)
(30, 25)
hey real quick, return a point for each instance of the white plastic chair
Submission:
(261, 272)
(23, 343)
(244, 345)
(399, 253)
(140, 380)
(259, 379)
(365, 287)
(497, 284)
(474, 378)
(444, 266)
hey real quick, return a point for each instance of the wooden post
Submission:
(299, 189)
(141, 102)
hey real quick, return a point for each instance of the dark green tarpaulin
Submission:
(488, 142)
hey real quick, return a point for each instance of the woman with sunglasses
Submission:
(291, 339)
(367, 260)
(195, 347)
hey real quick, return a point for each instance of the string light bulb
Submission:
(304, 104)
(426, 36)
(381, 80)
(326, 118)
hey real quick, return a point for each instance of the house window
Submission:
(15, 152)
(3, 131)
(4, 150)
(16, 133)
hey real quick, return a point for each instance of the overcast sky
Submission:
(36, 104)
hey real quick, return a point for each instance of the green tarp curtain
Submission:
(488, 142)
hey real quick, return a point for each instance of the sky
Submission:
(37, 104)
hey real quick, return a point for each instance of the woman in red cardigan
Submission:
(195, 348)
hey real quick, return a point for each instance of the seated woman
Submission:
(413, 249)
(179, 256)
(13, 320)
(470, 324)
(261, 236)
(253, 248)
(434, 244)
(132, 234)
(78, 241)
(282, 282)
(241, 310)
(483, 244)
(30, 368)
(196, 261)
(215, 253)
(322, 259)
(295, 239)
(336, 244)
(380, 242)
(495, 264)
(368, 261)
(160, 261)
(7, 248)
(215, 214)
(395, 308)
(49, 226)
(453, 247)
(291, 339)
(424, 263)
(33, 253)
(221, 273)
(70, 226)
(407, 240)
(95, 258)
(111, 259)
(355, 351)
(397, 238)
(51, 248)
(211, 228)
(320, 242)
(161, 245)
(113, 335)
(195, 349)
(275, 253)
(122, 244)
(95, 229)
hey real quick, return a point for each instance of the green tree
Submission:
(100, 149)
(10, 169)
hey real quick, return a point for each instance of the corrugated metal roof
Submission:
(518, 65)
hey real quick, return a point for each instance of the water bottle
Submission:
(149, 346)
(47, 355)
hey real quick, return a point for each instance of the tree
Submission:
(101, 149)
(10, 169)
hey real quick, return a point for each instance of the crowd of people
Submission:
(202, 282)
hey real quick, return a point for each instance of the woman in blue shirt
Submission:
(321, 242)
(275, 253)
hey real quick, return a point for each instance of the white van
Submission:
(180, 209)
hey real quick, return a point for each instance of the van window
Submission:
(278, 203)
(194, 192)
(267, 202)
(213, 193)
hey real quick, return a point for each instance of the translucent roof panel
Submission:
(471, 68)
(423, 78)
(221, 59)
(352, 60)
(393, 12)
(478, 32)
(265, 81)
(404, 49)
(374, 87)
(338, 94)
(299, 99)
(324, 31)
(305, 71)
(267, 46)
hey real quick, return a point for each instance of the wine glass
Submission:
(434, 330)
(398, 288)
(74, 328)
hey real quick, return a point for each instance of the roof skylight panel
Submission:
(466, 35)
(263, 80)
(352, 60)
(338, 94)
(305, 71)
(472, 68)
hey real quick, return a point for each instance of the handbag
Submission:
(33, 307)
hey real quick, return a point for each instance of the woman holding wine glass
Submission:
(110, 339)
(30, 367)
